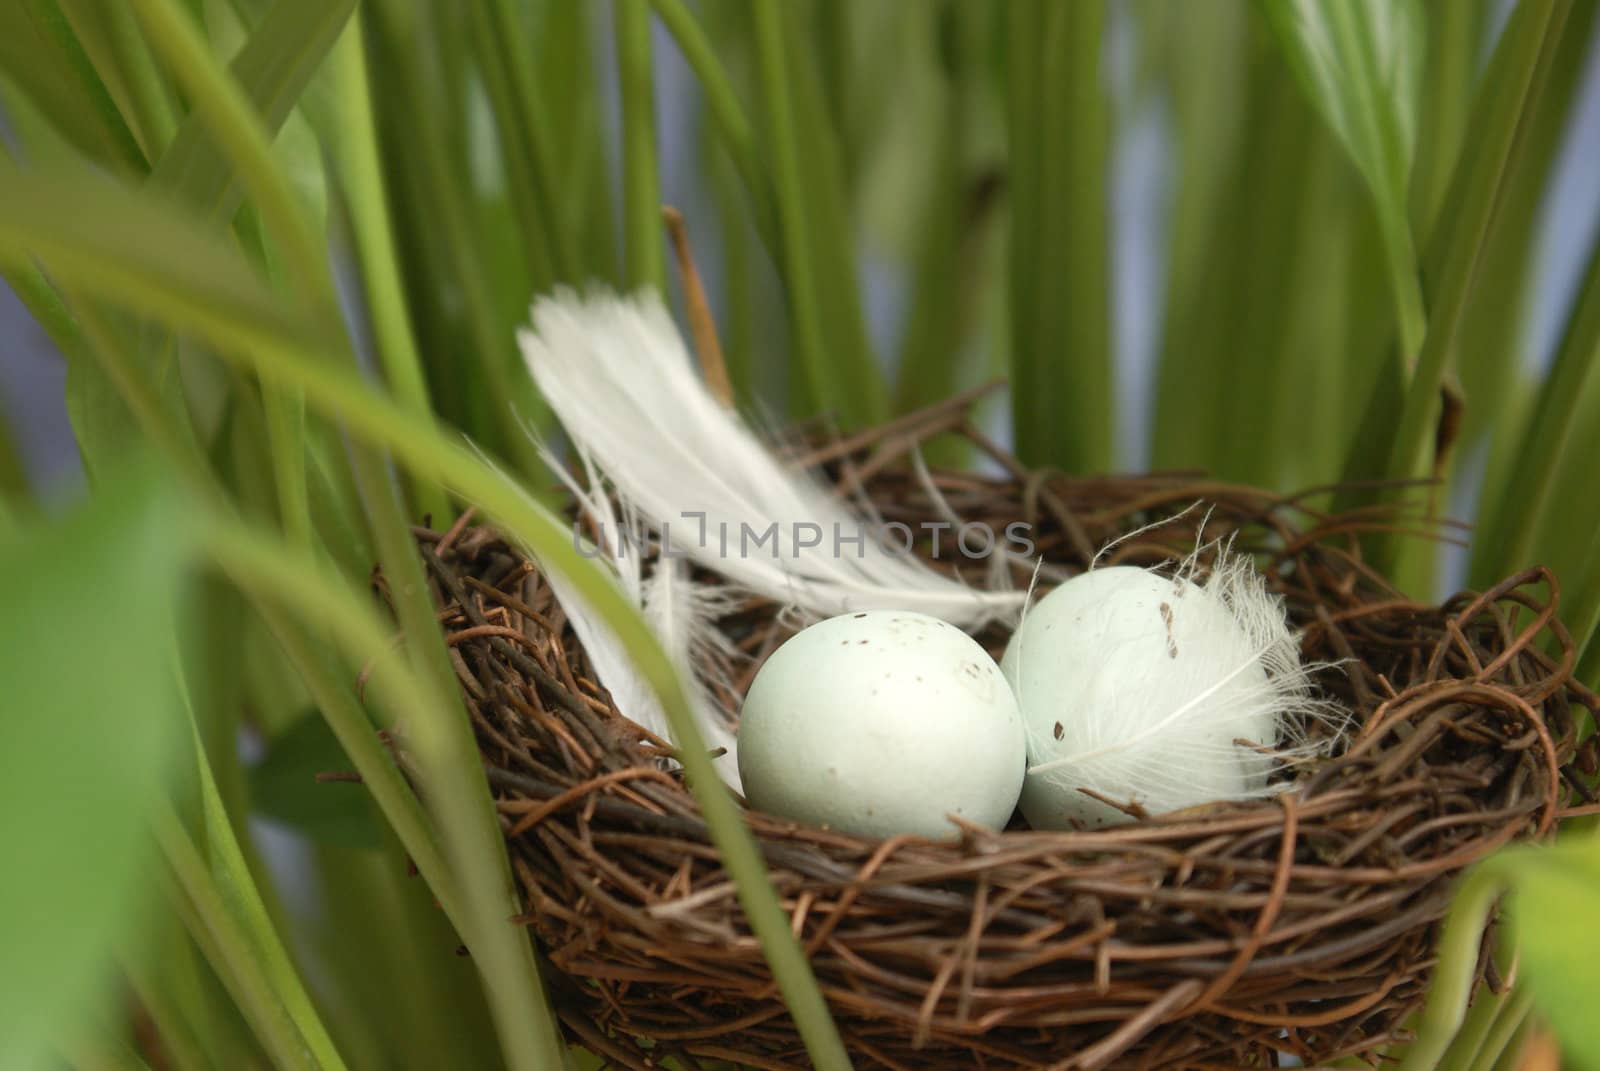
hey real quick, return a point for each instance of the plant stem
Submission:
(1507, 1034)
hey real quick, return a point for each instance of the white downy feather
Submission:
(681, 614)
(1127, 745)
(617, 373)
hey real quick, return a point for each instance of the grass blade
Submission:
(727, 114)
(231, 117)
(644, 252)
(433, 199)
(233, 952)
(223, 891)
(359, 175)
(1453, 31)
(1514, 519)
(836, 370)
(273, 69)
(41, 57)
(1361, 62)
(509, 81)
(1498, 142)
(1060, 245)
(110, 37)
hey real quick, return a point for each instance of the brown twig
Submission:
(702, 325)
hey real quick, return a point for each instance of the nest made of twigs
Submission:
(1217, 937)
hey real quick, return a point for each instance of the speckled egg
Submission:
(882, 722)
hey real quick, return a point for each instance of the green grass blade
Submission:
(835, 367)
(14, 484)
(644, 252)
(1209, 68)
(824, 168)
(1454, 31)
(246, 932)
(1514, 519)
(234, 123)
(41, 57)
(1361, 63)
(735, 306)
(570, 110)
(273, 69)
(110, 37)
(507, 76)
(955, 218)
(436, 204)
(727, 114)
(233, 951)
(359, 175)
(1583, 611)
(1558, 962)
(1058, 118)
(820, 391)
(1497, 134)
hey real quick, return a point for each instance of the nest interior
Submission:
(1222, 936)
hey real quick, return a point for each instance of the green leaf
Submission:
(88, 615)
(1552, 897)
(1360, 61)
(285, 788)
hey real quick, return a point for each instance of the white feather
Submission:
(617, 373)
(681, 614)
(1110, 725)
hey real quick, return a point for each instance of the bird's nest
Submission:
(1219, 937)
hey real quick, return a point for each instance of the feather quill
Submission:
(618, 375)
